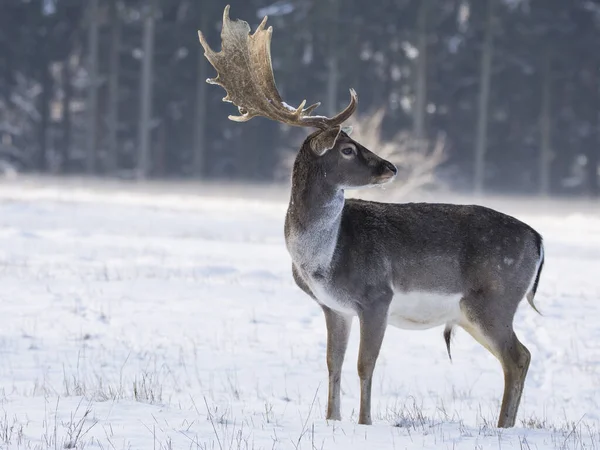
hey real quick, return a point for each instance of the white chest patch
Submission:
(325, 297)
(421, 310)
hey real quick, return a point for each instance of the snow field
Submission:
(147, 320)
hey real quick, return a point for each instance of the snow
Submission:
(150, 318)
(288, 107)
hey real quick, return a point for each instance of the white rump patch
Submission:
(421, 310)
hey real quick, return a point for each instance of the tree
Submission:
(92, 104)
(546, 124)
(199, 128)
(421, 71)
(484, 95)
(143, 167)
(113, 90)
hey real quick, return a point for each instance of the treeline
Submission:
(116, 87)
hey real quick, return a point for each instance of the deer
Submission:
(410, 265)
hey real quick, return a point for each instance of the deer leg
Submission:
(373, 323)
(515, 360)
(338, 332)
(497, 335)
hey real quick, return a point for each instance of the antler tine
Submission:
(311, 108)
(346, 112)
(244, 70)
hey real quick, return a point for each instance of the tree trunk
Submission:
(146, 92)
(113, 88)
(333, 72)
(593, 144)
(201, 100)
(66, 118)
(545, 126)
(90, 162)
(8, 71)
(160, 150)
(421, 72)
(45, 97)
(484, 94)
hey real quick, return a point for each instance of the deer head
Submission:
(244, 70)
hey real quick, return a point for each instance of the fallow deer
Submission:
(413, 266)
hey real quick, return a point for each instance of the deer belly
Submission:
(421, 310)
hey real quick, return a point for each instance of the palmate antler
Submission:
(245, 71)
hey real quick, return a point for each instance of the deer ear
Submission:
(325, 140)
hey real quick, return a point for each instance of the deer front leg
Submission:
(373, 322)
(338, 332)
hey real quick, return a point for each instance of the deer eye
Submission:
(347, 151)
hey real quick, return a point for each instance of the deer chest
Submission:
(331, 297)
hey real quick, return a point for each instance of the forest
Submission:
(116, 88)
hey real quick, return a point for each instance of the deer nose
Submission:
(392, 168)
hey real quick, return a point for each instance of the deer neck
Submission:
(313, 219)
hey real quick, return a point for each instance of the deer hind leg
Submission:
(373, 323)
(515, 362)
(497, 335)
(338, 332)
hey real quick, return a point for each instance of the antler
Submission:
(245, 71)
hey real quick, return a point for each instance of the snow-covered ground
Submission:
(151, 318)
